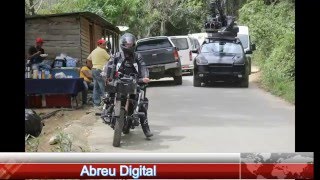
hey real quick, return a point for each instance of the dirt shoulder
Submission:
(69, 127)
(255, 79)
(255, 74)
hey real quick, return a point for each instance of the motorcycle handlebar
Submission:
(132, 76)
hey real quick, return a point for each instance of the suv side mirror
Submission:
(253, 47)
(248, 52)
(195, 51)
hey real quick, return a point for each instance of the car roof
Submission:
(179, 37)
(154, 37)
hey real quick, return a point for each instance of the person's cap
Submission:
(101, 41)
(39, 40)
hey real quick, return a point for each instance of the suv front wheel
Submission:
(245, 82)
(196, 81)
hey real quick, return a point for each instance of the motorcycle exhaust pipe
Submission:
(127, 105)
(137, 108)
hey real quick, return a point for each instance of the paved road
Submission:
(207, 119)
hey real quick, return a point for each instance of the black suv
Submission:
(221, 58)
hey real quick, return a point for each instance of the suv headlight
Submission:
(201, 61)
(239, 60)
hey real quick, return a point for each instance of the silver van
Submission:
(185, 47)
(248, 46)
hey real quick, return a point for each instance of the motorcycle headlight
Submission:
(201, 61)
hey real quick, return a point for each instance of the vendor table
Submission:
(53, 89)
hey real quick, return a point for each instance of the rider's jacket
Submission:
(120, 63)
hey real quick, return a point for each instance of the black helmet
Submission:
(127, 43)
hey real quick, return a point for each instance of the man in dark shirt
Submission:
(34, 53)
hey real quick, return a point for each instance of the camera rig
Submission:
(218, 23)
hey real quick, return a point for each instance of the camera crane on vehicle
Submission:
(218, 23)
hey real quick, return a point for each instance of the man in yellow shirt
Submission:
(99, 58)
(85, 73)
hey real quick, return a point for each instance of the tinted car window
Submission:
(153, 44)
(181, 43)
(222, 47)
(244, 40)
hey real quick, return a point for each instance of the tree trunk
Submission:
(162, 28)
(228, 8)
(148, 32)
(236, 8)
(31, 7)
(26, 8)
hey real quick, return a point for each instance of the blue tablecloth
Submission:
(54, 86)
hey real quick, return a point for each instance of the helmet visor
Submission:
(128, 41)
(128, 45)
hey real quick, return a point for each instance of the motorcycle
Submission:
(123, 114)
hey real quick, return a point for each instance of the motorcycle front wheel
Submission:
(127, 126)
(118, 128)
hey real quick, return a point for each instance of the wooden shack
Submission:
(75, 34)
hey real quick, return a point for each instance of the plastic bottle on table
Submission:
(47, 73)
(39, 74)
(35, 74)
(42, 74)
(28, 69)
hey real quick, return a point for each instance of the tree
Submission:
(144, 17)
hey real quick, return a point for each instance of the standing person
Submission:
(130, 62)
(34, 53)
(86, 74)
(99, 58)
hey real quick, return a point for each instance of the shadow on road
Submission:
(222, 85)
(187, 74)
(161, 83)
(136, 140)
(166, 82)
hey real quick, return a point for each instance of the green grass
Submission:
(279, 87)
(31, 143)
(64, 143)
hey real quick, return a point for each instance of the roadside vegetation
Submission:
(61, 142)
(31, 143)
(272, 27)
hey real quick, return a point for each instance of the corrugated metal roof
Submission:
(91, 16)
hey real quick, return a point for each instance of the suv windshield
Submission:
(181, 43)
(153, 44)
(222, 48)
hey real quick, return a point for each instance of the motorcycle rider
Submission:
(129, 62)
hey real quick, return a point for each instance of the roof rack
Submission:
(221, 36)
